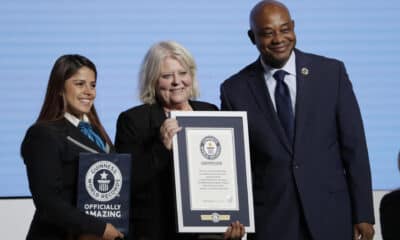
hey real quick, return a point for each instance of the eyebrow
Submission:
(83, 80)
(285, 24)
(282, 25)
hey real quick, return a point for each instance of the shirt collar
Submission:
(74, 120)
(289, 67)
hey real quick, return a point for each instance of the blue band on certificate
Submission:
(104, 188)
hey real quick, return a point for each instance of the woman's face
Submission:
(80, 92)
(174, 85)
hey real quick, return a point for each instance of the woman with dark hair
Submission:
(67, 125)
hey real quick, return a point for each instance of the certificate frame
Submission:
(203, 175)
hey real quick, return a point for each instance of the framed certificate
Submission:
(212, 171)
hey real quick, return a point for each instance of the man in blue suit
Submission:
(311, 173)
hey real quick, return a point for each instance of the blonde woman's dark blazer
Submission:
(153, 205)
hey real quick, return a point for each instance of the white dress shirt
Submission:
(74, 120)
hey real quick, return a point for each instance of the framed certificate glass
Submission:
(212, 171)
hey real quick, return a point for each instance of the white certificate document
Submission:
(212, 168)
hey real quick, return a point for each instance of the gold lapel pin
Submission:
(304, 71)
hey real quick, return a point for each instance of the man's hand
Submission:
(234, 231)
(363, 231)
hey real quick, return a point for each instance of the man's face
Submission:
(273, 34)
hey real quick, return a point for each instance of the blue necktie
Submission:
(284, 104)
(87, 129)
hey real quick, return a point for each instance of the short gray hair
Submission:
(150, 70)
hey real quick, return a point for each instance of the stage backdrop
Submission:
(116, 35)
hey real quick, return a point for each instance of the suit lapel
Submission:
(76, 134)
(257, 84)
(196, 106)
(304, 74)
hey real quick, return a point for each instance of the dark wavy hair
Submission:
(53, 107)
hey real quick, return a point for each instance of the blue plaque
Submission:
(104, 188)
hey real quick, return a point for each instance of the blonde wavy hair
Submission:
(150, 70)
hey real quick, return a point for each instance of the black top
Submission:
(153, 195)
(389, 215)
(52, 168)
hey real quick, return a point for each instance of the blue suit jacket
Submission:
(326, 173)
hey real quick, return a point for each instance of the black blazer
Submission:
(52, 167)
(153, 205)
(389, 215)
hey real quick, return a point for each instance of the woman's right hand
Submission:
(167, 131)
(111, 232)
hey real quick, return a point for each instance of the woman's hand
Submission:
(167, 131)
(110, 233)
(235, 231)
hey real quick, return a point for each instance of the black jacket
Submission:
(52, 167)
(153, 204)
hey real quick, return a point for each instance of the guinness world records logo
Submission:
(103, 181)
(210, 147)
